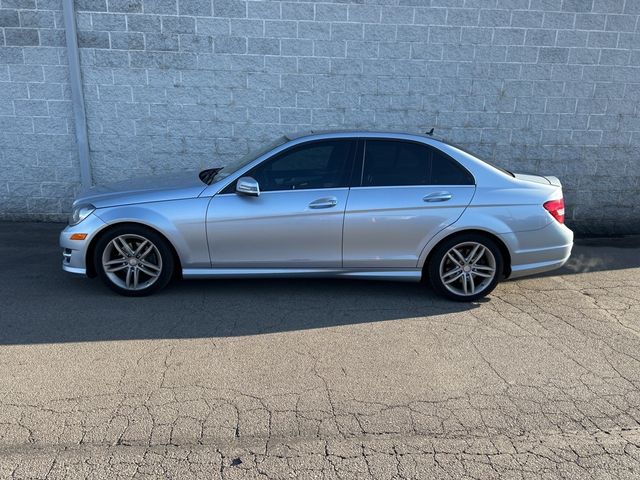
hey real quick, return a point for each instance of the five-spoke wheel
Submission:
(466, 267)
(133, 260)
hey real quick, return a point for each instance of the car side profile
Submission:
(373, 205)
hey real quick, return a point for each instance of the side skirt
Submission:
(409, 275)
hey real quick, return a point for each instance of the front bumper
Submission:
(74, 252)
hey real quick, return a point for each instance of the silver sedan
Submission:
(355, 204)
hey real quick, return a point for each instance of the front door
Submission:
(296, 221)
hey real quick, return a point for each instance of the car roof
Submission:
(360, 133)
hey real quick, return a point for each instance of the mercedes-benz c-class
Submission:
(386, 206)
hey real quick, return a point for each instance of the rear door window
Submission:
(398, 163)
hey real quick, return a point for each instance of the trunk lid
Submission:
(542, 179)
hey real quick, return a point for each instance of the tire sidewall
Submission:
(160, 243)
(433, 268)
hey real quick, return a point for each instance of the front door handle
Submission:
(438, 197)
(327, 202)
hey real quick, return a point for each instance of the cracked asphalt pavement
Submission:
(316, 378)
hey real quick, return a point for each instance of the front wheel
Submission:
(133, 260)
(466, 267)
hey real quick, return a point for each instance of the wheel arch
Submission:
(89, 259)
(504, 250)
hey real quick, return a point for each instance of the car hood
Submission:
(175, 186)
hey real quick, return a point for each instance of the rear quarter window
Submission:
(446, 171)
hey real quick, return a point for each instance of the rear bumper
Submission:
(540, 250)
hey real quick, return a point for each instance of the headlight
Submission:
(79, 213)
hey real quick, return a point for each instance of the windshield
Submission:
(236, 165)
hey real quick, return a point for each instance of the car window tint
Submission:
(315, 158)
(324, 164)
(397, 163)
(387, 162)
(445, 171)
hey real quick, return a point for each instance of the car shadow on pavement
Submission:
(57, 308)
(42, 304)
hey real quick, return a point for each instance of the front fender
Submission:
(182, 222)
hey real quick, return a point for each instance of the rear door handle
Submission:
(327, 202)
(438, 197)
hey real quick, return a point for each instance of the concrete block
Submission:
(621, 23)
(213, 26)
(437, 35)
(553, 55)
(314, 30)
(296, 47)
(26, 73)
(430, 16)
(161, 41)
(495, 18)
(230, 8)
(167, 7)
(21, 37)
(125, 6)
(196, 43)
(200, 8)
(364, 13)
(463, 16)
(263, 10)
(174, 24)
(331, 12)
(297, 11)
(144, 23)
(35, 19)
(577, 5)
(242, 27)
(91, 5)
(30, 108)
(9, 18)
(590, 21)
(228, 44)
(347, 31)
(127, 40)
(263, 46)
(526, 19)
(280, 29)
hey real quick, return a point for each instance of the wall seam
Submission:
(77, 94)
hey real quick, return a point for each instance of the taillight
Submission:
(556, 209)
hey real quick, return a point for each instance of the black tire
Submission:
(439, 253)
(165, 263)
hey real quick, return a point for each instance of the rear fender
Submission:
(483, 223)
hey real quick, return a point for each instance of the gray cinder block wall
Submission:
(39, 170)
(549, 86)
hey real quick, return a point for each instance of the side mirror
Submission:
(248, 186)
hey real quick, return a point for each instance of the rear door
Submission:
(408, 192)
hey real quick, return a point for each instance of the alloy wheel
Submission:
(467, 268)
(132, 262)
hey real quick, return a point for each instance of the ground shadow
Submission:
(42, 304)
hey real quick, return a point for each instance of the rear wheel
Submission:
(133, 260)
(466, 267)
